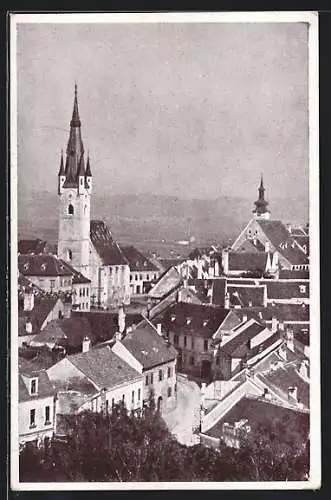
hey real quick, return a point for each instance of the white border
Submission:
(196, 17)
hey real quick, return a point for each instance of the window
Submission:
(160, 375)
(302, 288)
(70, 254)
(205, 345)
(32, 418)
(80, 292)
(123, 399)
(146, 380)
(71, 209)
(52, 283)
(192, 343)
(107, 406)
(191, 360)
(169, 392)
(83, 292)
(86, 292)
(139, 394)
(47, 415)
(136, 277)
(152, 378)
(147, 277)
(132, 397)
(176, 340)
(218, 360)
(169, 371)
(185, 341)
(34, 386)
(112, 402)
(140, 277)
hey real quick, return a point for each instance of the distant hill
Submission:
(145, 220)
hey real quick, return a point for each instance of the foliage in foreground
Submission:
(122, 447)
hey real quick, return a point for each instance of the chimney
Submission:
(225, 260)
(265, 296)
(227, 301)
(28, 326)
(274, 324)
(86, 344)
(282, 352)
(121, 320)
(292, 393)
(217, 268)
(179, 296)
(199, 266)
(267, 246)
(245, 318)
(159, 329)
(28, 300)
(266, 394)
(290, 339)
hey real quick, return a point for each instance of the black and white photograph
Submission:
(165, 311)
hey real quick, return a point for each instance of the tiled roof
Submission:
(193, 319)
(283, 312)
(45, 388)
(137, 261)
(78, 277)
(42, 265)
(246, 295)
(168, 263)
(106, 247)
(104, 367)
(248, 246)
(281, 289)
(259, 411)
(43, 305)
(283, 378)
(104, 325)
(247, 261)
(279, 236)
(166, 283)
(252, 329)
(66, 332)
(31, 246)
(219, 286)
(148, 347)
(295, 275)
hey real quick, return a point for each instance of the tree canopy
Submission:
(138, 447)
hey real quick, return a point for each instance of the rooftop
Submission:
(247, 261)
(42, 265)
(43, 305)
(104, 244)
(149, 348)
(137, 261)
(103, 367)
(166, 283)
(45, 388)
(33, 247)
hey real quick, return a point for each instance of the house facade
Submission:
(36, 406)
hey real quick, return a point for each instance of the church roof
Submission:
(106, 247)
(247, 261)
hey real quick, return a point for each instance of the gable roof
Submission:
(104, 244)
(45, 388)
(246, 295)
(149, 348)
(278, 235)
(137, 261)
(246, 333)
(43, 305)
(36, 246)
(42, 265)
(193, 319)
(68, 332)
(166, 283)
(104, 367)
(247, 261)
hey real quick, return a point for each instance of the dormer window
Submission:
(33, 386)
(26, 266)
(43, 267)
(173, 317)
(188, 321)
(302, 288)
(205, 322)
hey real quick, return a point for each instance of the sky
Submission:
(195, 110)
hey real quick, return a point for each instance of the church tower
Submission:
(261, 211)
(74, 190)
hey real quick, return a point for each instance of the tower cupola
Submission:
(261, 205)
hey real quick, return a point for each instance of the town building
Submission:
(36, 405)
(142, 271)
(95, 379)
(148, 352)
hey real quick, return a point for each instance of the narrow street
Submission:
(185, 417)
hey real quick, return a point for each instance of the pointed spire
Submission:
(81, 167)
(261, 204)
(88, 167)
(75, 121)
(61, 171)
